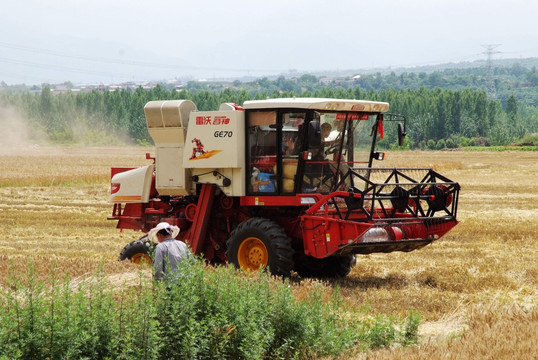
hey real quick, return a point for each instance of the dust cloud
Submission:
(16, 132)
(21, 136)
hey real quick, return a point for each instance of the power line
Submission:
(55, 67)
(17, 76)
(123, 61)
(60, 69)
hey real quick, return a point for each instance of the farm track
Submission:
(476, 289)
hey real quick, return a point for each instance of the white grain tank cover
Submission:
(167, 124)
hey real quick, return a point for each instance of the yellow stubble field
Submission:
(476, 289)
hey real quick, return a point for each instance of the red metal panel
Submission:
(129, 216)
(323, 236)
(323, 200)
(441, 228)
(197, 234)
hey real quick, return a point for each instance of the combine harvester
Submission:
(286, 184)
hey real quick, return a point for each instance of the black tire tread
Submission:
(281, 261)
(141, 245)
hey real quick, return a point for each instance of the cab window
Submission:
(262, 151)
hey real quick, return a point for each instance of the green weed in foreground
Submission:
(212, 313)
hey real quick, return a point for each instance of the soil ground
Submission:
(476, 288)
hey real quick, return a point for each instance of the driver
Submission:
(325, 134)
(333, 138)
(333, 141)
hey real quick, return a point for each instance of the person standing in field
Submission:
(169, 252)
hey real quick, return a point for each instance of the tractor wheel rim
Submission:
(141, 259)
(252, 254)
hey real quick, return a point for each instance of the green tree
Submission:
(45, 105)
(481, 112)
(532, 77)
(511, 108)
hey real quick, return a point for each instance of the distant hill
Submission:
(527, 63)
(518, 77)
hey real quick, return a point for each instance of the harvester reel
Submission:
(353, 202)
(437, 198)
(399, 198)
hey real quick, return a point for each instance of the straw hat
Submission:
(171, 229)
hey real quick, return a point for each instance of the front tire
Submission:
(139, 251)
(260, 242)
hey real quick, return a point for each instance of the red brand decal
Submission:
(208, 120)
(221, 120)
(203, 120)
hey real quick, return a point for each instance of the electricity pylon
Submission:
(490, 84)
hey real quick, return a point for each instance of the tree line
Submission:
(455, 117)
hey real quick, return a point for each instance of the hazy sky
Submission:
(108, 41)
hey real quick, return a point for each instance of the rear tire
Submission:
(330, 267)
(260, 242)
(139, 251)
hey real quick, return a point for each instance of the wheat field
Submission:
(476, 289)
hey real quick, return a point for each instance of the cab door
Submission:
(274, 145)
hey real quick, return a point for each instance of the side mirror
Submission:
(306, 155)
(378, 155)
(401, 134)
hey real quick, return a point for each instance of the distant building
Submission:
(60, 89)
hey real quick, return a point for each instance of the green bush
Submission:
(463, 141)
(450, 144)
(383, 144)
(500, 136)
(212, 313)
(528, 140)
(383, 331)
(478, 141)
